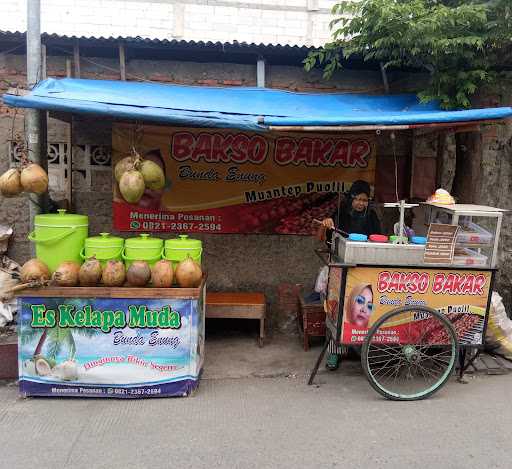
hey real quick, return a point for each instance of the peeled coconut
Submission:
(132, 186)
(90, 273)
(188, 273)
(114, 274)
(34, 179)
(10, 183)
(66, 274)
(122, 166)
(154, 177)
(42, 367)
(68, 370)
(138, 274)
(162, 274)
(34, 270)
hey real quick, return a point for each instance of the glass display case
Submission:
(479, 231)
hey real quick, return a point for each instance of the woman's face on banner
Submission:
(362, 308)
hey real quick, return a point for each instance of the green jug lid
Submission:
(61, 219)
(183, 241)
(104, 240)
(144, 241)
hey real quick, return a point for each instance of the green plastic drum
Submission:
(143, 248)
(104, 248)
(179, 248)
(59, 237)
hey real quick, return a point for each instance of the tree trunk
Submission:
(467, 180)
(40, 344)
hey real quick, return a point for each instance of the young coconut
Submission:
(10, 183)
(138, 274)
(34, 179)
(66, 274)
(122, 166)
(114, 274)
(132, 186)
(90, 273)
(162, 274)
(188, 273)
(34, 270)
(154, 177)
(43, 368)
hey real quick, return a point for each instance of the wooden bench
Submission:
(238, 305)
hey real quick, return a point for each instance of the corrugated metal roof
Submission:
(157, 42)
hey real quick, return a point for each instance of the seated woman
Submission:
(355, 216)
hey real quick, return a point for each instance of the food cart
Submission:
(410, 317)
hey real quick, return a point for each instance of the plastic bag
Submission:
(321, 280)
(499, 328)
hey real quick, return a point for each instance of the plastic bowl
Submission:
(377, 238)
(419, 240)
(357, 237)
(395, 239)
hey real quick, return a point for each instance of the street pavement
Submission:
(275, 422)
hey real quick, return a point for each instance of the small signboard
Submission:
(440, 244)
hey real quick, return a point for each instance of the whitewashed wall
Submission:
(291, 22)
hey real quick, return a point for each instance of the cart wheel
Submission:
(415, 364)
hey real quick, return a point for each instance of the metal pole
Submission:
(35, 120)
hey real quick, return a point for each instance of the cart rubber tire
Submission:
(431, 389)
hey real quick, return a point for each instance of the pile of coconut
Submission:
(30, 178)
(188, 274)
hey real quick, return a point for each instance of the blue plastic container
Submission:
(357, 237)
(418, 240)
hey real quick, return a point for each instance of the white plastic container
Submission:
(469, 258)
(475, 235)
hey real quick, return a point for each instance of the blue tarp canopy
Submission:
(243, 108)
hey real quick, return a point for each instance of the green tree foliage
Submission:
(460, 43)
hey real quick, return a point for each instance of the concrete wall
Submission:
(292, 22)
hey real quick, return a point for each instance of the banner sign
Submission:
(240, 182)
(106, 347)
(462, 295)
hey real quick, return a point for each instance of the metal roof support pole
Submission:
(260, 72)
(122, 60)
(35, 120)
(76, 58)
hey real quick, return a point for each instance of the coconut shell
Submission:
(42, 367)
(90, 273)
(188, 273)
(138, 274)
(162, 274)
(154, 177)
(66, 274)
(10, 183)
(132, 186)
(122, 166)
(114, 274)
(34, 270)
(34, 179)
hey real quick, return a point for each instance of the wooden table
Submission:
(237, 305)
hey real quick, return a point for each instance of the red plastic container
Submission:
(377, 238)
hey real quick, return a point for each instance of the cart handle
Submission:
(337, 230)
